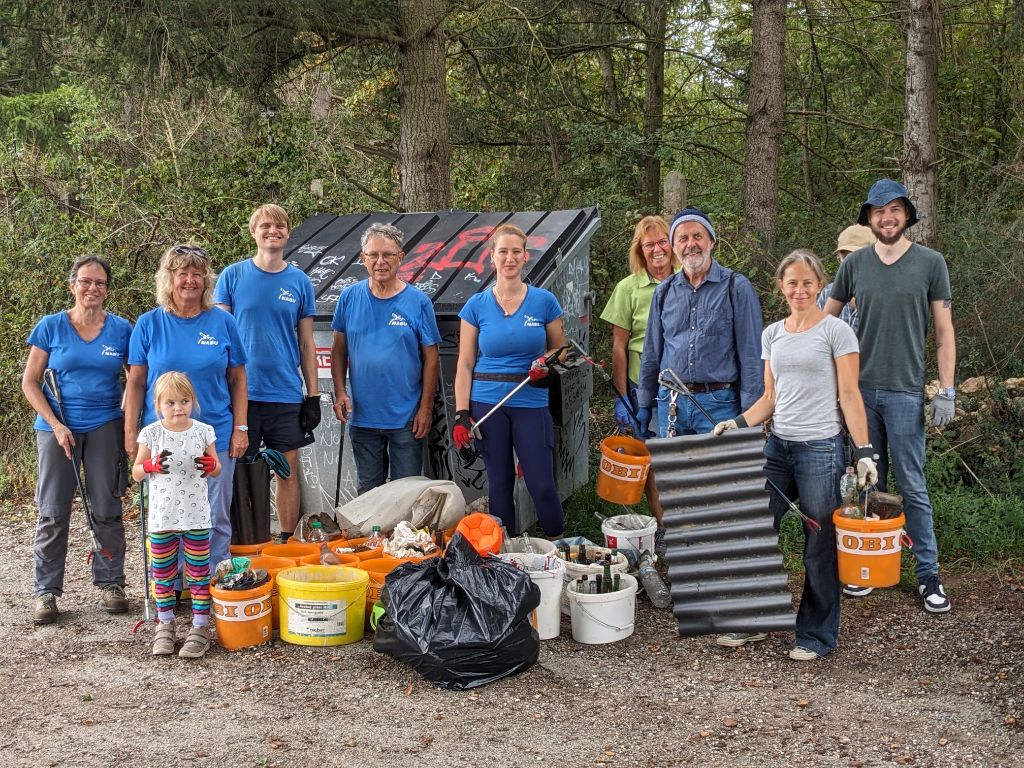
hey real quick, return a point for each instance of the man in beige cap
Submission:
(851, 239)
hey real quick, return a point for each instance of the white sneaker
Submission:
(855, 590)
(935, 600)
(799, 653)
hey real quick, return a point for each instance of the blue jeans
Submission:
(810, 471)
(382, 454)
(896, 427)
(722, 404)
(220, 489)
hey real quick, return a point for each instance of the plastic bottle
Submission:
(849, 494)
(527, 544)
(317, 534)
(653, 585)
(375, 539)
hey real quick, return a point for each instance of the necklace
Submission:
(506, 301)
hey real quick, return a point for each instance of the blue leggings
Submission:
(532, 434)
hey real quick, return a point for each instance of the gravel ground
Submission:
(905, 688)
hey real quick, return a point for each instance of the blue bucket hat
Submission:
(883, 192)
(691, 214)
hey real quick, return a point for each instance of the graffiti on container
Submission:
(431, 285)
(442, 258)
(472, 277)
(310, 250)
(332, 261)
(320, 274)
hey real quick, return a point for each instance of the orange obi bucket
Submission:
(378, 569)
(249, 550)
(366, 554)
(291, 549)
(625, 463)
(272, 565)
(243, 617)
(482, 531)
(869, 550)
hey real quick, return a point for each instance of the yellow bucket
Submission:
(322, 605)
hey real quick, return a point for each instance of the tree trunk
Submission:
(654, 102)
(920, 132)
(424, 147)
(764, 121)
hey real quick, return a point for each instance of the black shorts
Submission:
(277, 426)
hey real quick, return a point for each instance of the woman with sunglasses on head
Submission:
(188, 333)
(86, 347)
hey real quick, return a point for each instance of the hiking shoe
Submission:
(739, 639)
(163, 639)
(935, 600)
(659, 541)
(46, 609)
(196, 643)
(799, 653)
(855, 590)
(113, 599)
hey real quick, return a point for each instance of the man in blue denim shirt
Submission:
(705, 324)
(898, 284)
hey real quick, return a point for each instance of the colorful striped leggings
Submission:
(164, 561)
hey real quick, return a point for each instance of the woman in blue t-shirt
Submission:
(86, 347)
(187, 333)
(505, 334)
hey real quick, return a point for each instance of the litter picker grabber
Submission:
(608, 378)
(670, 380)
(148, 613)
(469, 454)
(50, 382)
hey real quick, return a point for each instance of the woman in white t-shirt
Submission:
(812, 373)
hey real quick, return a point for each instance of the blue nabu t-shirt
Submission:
(202, 347)
(510, 344)
(88, 372)
(385, 338)
(268, 307)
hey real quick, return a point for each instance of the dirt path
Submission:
(905, 688)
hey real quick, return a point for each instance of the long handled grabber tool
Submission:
(469, 453)
(671, 381)
(608, 378)
(50, 382)
(148, 611)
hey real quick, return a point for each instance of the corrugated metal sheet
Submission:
(723, 557)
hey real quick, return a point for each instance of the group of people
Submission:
(841, 377)
(237, 351)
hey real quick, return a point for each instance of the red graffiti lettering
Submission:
(437, 257)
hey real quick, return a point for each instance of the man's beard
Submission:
(886, 239)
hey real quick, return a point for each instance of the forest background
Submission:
(126, 127)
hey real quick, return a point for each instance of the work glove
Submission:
(157, 464)
(724, 426)
(644, 415)
(462, 432)
(205, 463)
(539, 373)
(309, 413)
(867, 472)
(941, 410)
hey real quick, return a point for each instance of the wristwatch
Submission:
(948, 392)
(242, 427)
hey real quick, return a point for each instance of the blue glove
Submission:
(644, 415)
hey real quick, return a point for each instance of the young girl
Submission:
(177, 454)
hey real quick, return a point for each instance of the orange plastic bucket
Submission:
(292, 549)
(366, 554)
(243, 617)
(249, 550)
(378, 570)
(482, 531)
(869, 550)
(346, 559)
(272, 566)
(625, 463)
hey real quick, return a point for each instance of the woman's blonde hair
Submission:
(178, 257)
(506, 229)
(637, 261)
(174, 383)
(801, 256)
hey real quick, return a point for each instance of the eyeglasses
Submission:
(185, 250)
(87, 283)
(386, 255)
(649, 247)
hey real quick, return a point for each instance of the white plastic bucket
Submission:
(606, 618)
(540, 546)
(574, 570)
(547, 572)
(630, 532)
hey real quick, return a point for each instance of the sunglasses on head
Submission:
(183, 249)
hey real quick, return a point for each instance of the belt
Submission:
(514, 378)
(713, 387)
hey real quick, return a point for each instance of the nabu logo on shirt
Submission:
(287, 295)
(397, 319)
(109, 351)
(207, 340)
(531, 322)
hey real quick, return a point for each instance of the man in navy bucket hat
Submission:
(898, 283)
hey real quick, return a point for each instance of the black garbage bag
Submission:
(460, 620)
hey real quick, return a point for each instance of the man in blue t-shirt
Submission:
(385, 339)
(273, 305)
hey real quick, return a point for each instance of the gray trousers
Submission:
(101, 452)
